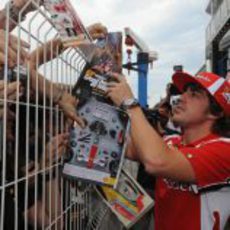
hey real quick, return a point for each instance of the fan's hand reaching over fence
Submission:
(11, 93)
(69, 104)
(18, 9)
(13, 48)
(55, 149)
(30, 7)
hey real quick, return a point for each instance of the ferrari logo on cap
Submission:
(203, 78)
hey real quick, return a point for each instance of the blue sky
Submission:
(173, 28)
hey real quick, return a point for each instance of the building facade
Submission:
(218, 37)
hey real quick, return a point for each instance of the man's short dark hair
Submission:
(222, 124)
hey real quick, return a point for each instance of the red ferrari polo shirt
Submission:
(201, 206)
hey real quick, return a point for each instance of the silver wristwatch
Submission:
(129, 103)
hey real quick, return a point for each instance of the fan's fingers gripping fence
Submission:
(35, 71)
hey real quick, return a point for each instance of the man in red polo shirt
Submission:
(193, 170)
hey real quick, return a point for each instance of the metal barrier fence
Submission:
(34, 195)
(33, 127)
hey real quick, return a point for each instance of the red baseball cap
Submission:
(215, 85)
